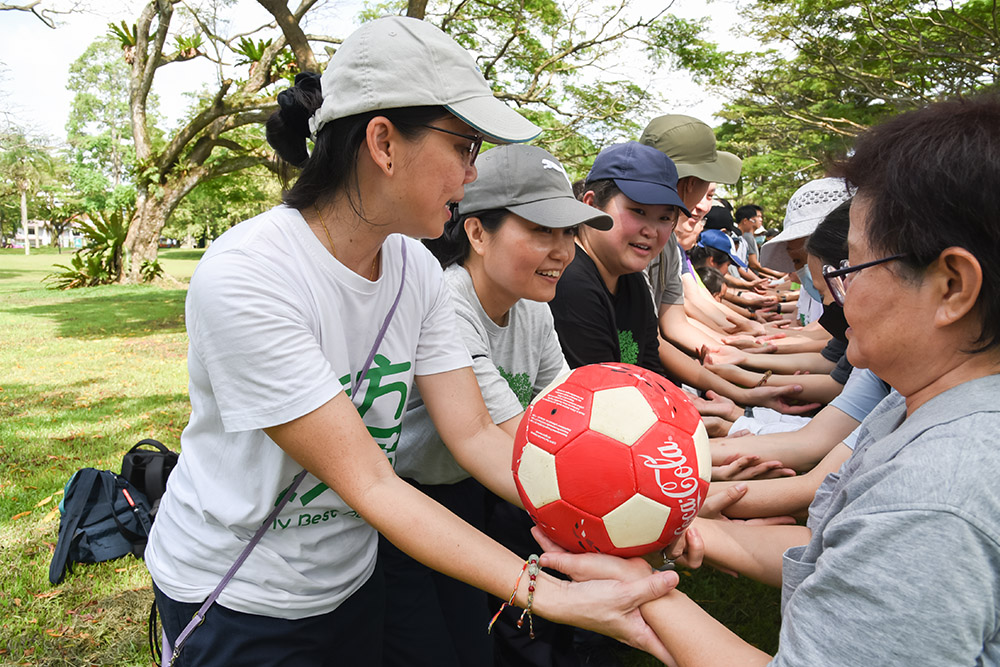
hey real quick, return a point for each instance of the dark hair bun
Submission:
(288, 127)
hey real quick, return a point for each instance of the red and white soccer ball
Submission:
(612, 458)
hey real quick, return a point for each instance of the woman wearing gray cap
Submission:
(504, 251)
(307, 327)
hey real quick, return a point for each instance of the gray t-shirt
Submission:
(512, 363)
(664, 275)
(863, 391)
(903, 567)
(751, 242)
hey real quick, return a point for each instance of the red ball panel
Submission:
(606, 376)
(573, 529)
(666, 470)
(557, 417)
(595, 473)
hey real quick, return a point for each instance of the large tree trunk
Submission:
(143, 238)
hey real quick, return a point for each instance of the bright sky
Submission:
(35, 59)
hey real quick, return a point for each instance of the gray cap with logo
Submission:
(530, 182)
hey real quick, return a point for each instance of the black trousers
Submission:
(431, 619)
(349, 635)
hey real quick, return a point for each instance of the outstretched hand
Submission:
(779, 398)
(749, 466)
(716, 405)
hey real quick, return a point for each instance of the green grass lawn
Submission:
(86, 373)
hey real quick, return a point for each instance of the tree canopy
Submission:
(828, 70)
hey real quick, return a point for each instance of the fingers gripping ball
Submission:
(612, 458)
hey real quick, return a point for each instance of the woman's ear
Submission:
(477, 234)
(588, 198)
(381, 139)
(957, 280)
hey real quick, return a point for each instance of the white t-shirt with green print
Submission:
(512, 364)
(277, 328)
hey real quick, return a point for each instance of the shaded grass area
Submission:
(85, 374)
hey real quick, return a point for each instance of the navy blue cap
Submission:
(718, 239)
(642, 173)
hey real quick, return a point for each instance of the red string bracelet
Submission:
(509, 602)
(532, 567)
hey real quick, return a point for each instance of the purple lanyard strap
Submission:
(199, 616)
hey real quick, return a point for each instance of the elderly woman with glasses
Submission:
(900, 561)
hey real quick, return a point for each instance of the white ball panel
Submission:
(552, 385)
(537, 474)
(636, 521)
(621, 413)
(704, 452)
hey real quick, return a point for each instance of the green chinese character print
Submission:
(629, 348)
(520, 384)
(386, 437)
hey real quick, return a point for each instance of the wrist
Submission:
(548, 591)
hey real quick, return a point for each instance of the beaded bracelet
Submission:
(532, 568)
(532, 576)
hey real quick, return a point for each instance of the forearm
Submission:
(767, 446)
(753, 551)
(709, 331)
(487, 457)
(694, 638)
(482, 448)
(779, 496)
(674, 326)
(431, 534)
(815, 388)
(785, 495)
(680, 366)
(710, 317)
(788, 364)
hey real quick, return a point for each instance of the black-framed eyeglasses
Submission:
(837, 279)
(475, 139)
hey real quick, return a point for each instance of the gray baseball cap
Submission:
(398, 62)
(530, 182)
(690, 143)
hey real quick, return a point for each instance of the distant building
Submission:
(39, 235)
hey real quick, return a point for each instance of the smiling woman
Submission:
(602, 309)
(504, 252)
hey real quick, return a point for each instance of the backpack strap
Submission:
(155, 476)
(80, 487)
(136, 540)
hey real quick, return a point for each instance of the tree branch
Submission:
(292, 31)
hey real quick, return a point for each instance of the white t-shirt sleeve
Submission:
(438, 349)
(245, 331)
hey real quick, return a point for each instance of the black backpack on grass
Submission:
(103, 517)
